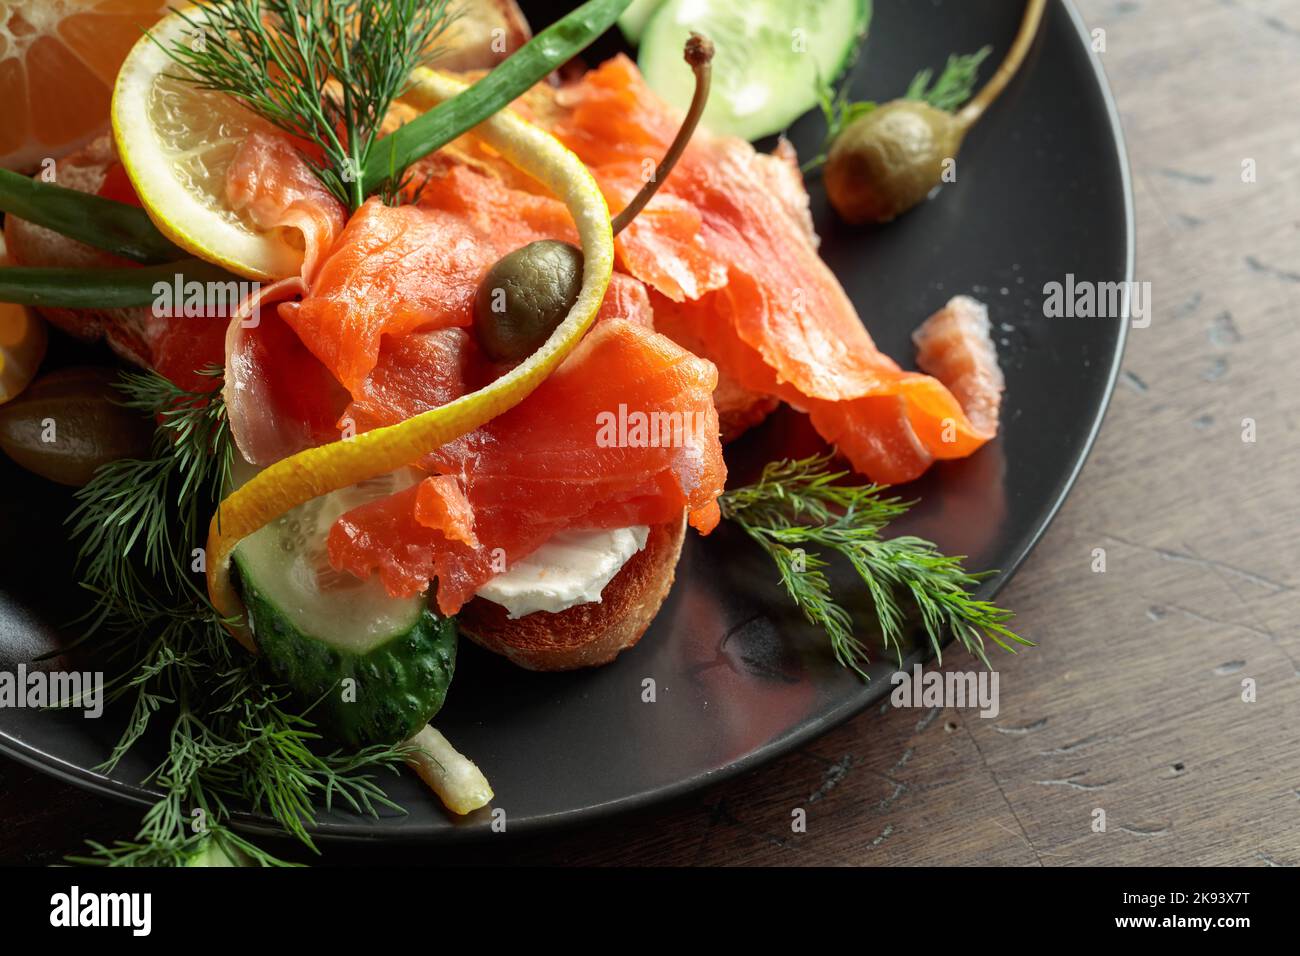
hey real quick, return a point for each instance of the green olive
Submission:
(888, 160)
(525, 296)
(68, 423)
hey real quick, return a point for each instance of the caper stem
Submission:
(699, 54)
(972, 111)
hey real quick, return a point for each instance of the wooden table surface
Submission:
(1133, 703)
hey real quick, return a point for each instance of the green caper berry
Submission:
(525, 296)
(889, 160)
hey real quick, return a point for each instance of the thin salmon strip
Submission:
(269, 181)
(279, 398)
(440, 504)
(392, 271)
(955, 345)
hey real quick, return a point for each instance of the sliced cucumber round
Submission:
(373, 669)
(770, 55)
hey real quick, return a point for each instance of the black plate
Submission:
(1043, 191)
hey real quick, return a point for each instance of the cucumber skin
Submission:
(411, 674)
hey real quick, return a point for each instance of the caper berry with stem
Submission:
(527, 293)
(891, 158)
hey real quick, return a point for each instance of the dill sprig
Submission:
(326, 71)
(953, 87)
(798, 505)
(148, 502)
(233, 744)
(837, 112)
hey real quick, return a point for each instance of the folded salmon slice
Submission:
(726, 247)
(392, 279)
(398, 269)
(623, 433)
(955, 345)
(269, 182)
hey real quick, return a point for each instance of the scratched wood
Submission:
(1132, 704)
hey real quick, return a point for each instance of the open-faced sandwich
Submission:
(453, 351)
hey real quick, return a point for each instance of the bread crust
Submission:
(586, 635)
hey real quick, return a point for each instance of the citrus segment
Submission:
(58, 59)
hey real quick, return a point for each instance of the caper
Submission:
(525, 296)
(890, 159)
(69, 422)
(529, 292)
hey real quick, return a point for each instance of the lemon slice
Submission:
(177, 142)
(317, 471)
(22, 343)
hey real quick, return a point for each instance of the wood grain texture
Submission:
(1132, 703)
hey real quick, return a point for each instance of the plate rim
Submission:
(366, 831)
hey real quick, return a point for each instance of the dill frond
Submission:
(955, 84)
(138, 520)
(235, 744)
(798, 506)
(326, 71)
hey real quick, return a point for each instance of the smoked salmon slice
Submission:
(397, 269)
(726, 250)
(269, 182)
(955, 345)
(724, 258)
(623, 433)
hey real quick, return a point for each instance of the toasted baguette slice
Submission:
(586, 635)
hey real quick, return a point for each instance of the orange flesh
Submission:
(57, 71)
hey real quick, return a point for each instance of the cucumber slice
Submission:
(770, 54)
(317, 627)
